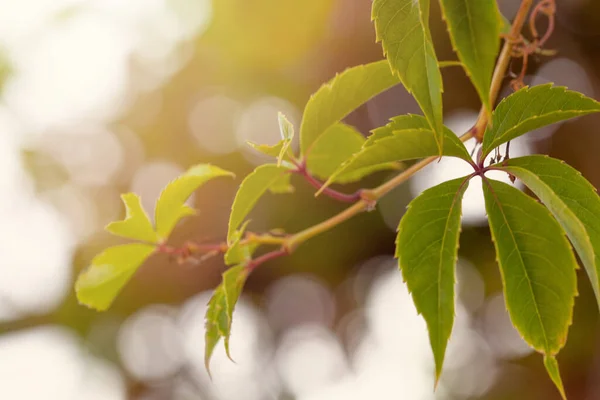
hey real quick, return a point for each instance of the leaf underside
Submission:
(427, 248)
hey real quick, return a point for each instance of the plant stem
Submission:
(444, 64)
(502, 66)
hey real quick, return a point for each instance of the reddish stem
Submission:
(252, 265)
(334, 194)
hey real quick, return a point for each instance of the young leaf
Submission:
(403, 28)
(342, 95)
(220, 310)
(239, 253)
(170, 207)
(536, 263)
(408, 144)
(337, 144)
(265, 177)
(533, 108)
(474, 28)
(287, 135)
(571, 199)
(399, 123)
(108, 273)
(427, 248)
(136, 224)
(553, 371)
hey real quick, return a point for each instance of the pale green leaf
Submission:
(536, 263)
(554, 372)
(238, 252)
(109, 271)
(336, 145)
(402, 27)
(342, 95)
(532, 108)
(427, 250)
(408, 144)
(219, 314)
(265, 177)
(571, 199)
(287, 135)
(474, 27)
(170, 206)
(270, 150)
(136, 224)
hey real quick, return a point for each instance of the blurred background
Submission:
(101, 97)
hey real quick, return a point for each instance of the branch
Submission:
(334, 194)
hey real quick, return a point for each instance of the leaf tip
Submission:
(553, 371)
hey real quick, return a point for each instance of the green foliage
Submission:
(402, 27)
(265, 177)
(553, 371)
(571, 199)
(426, 248)
(170, 207)
(475, 28)
(537, 266)
(533, 108)
(136, 224)
(340, 96)
(219, 313)
(407, 144)
(536, 261)
(238, 252)
(109, 271)
(337, 144)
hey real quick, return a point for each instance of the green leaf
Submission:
(552, 368)
(342, 95)
(239, 253)
(533, 108)
(265, 177)
(403, 28)
(170, 207)
(536, 264)
(220, 310)
(427, 248)
(287, 135)
(408, 144)
(336, 145)
(399, 123)
(136, 224)
(474, 28)
(101, 282)
(571, 199)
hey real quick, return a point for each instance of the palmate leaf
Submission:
(402, 27)
(572, 200)
(336, 145)
(474, 27)
(537, 266)
(426, 248)
(136, 224)
(533, 108)
(219, 314)
(265, 177)
(408, 144)
(342, 95)
(108, 273)
(170, 206)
